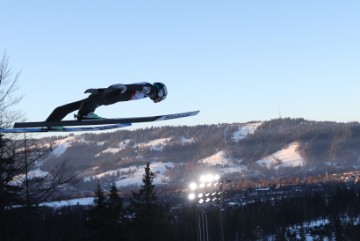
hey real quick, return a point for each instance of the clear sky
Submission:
(236, 61)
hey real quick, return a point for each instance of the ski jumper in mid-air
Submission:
(107, 96)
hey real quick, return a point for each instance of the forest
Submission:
(332, 212)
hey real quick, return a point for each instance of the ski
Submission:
(104, 121)
(63, 129)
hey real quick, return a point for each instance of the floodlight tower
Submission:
(202, 193)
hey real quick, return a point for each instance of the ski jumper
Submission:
(103, 96)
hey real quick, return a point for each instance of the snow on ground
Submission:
(32, 174)
(159, 168)
(124, 143)
(112, 150)
(62, 145)
(287, 157)
(133, 175)
(155, 145)
(120, 171)
(79, 201)
(245, 130)
(100, 143)
(186, 140)
(218, 158)
(234, 169)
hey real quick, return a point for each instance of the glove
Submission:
(91, 91)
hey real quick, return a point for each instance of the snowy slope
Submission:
(221, 160)
(248, 128)
(287, 157)
(155, 145)
(133, 175)
(224, 161)
(62, 145)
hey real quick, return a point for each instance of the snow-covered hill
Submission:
(287, 157)
(177, 153)
(129, 171)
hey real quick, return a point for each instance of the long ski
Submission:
(63, 129)
(104, 121)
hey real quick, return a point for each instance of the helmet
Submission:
(161, 91)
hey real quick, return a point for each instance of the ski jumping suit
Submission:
(103, 96)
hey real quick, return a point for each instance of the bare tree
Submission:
(22, 183)
(8, 87)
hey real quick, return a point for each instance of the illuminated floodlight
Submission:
(191, 196)
(208, 200)
(209, 178)
(200, 195)
(203, 179)
(193, 186)
(207, 194)
(201, 200)
(202, 185)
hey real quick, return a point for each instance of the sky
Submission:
(235, 61)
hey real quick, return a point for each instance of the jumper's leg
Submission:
(95, 100)
(60, 112)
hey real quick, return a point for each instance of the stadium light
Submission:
(193, 186)
(203, 193)
(191, 196)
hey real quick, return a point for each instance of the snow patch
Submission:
(184, 140)
(79, 201)
(133, 175)
(245, 130)
(124, 143)
(36, 173)
(218, 158)
(112, 150)
(62, 145)
(159, 168)
(155, 145)
(287, 157)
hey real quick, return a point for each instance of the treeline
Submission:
(109, 219)
(331, 213)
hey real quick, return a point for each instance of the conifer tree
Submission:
(99, 216)
(115, 213)
(149, 219)
(115, 201)
(99, 197)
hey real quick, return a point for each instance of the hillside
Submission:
(275, 148)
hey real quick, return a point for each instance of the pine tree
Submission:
(106, 218)
(115, 201)
(149, 219)
(99, 216)
(99, 197)
(115, 213)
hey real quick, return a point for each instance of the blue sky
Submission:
(236, 61)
